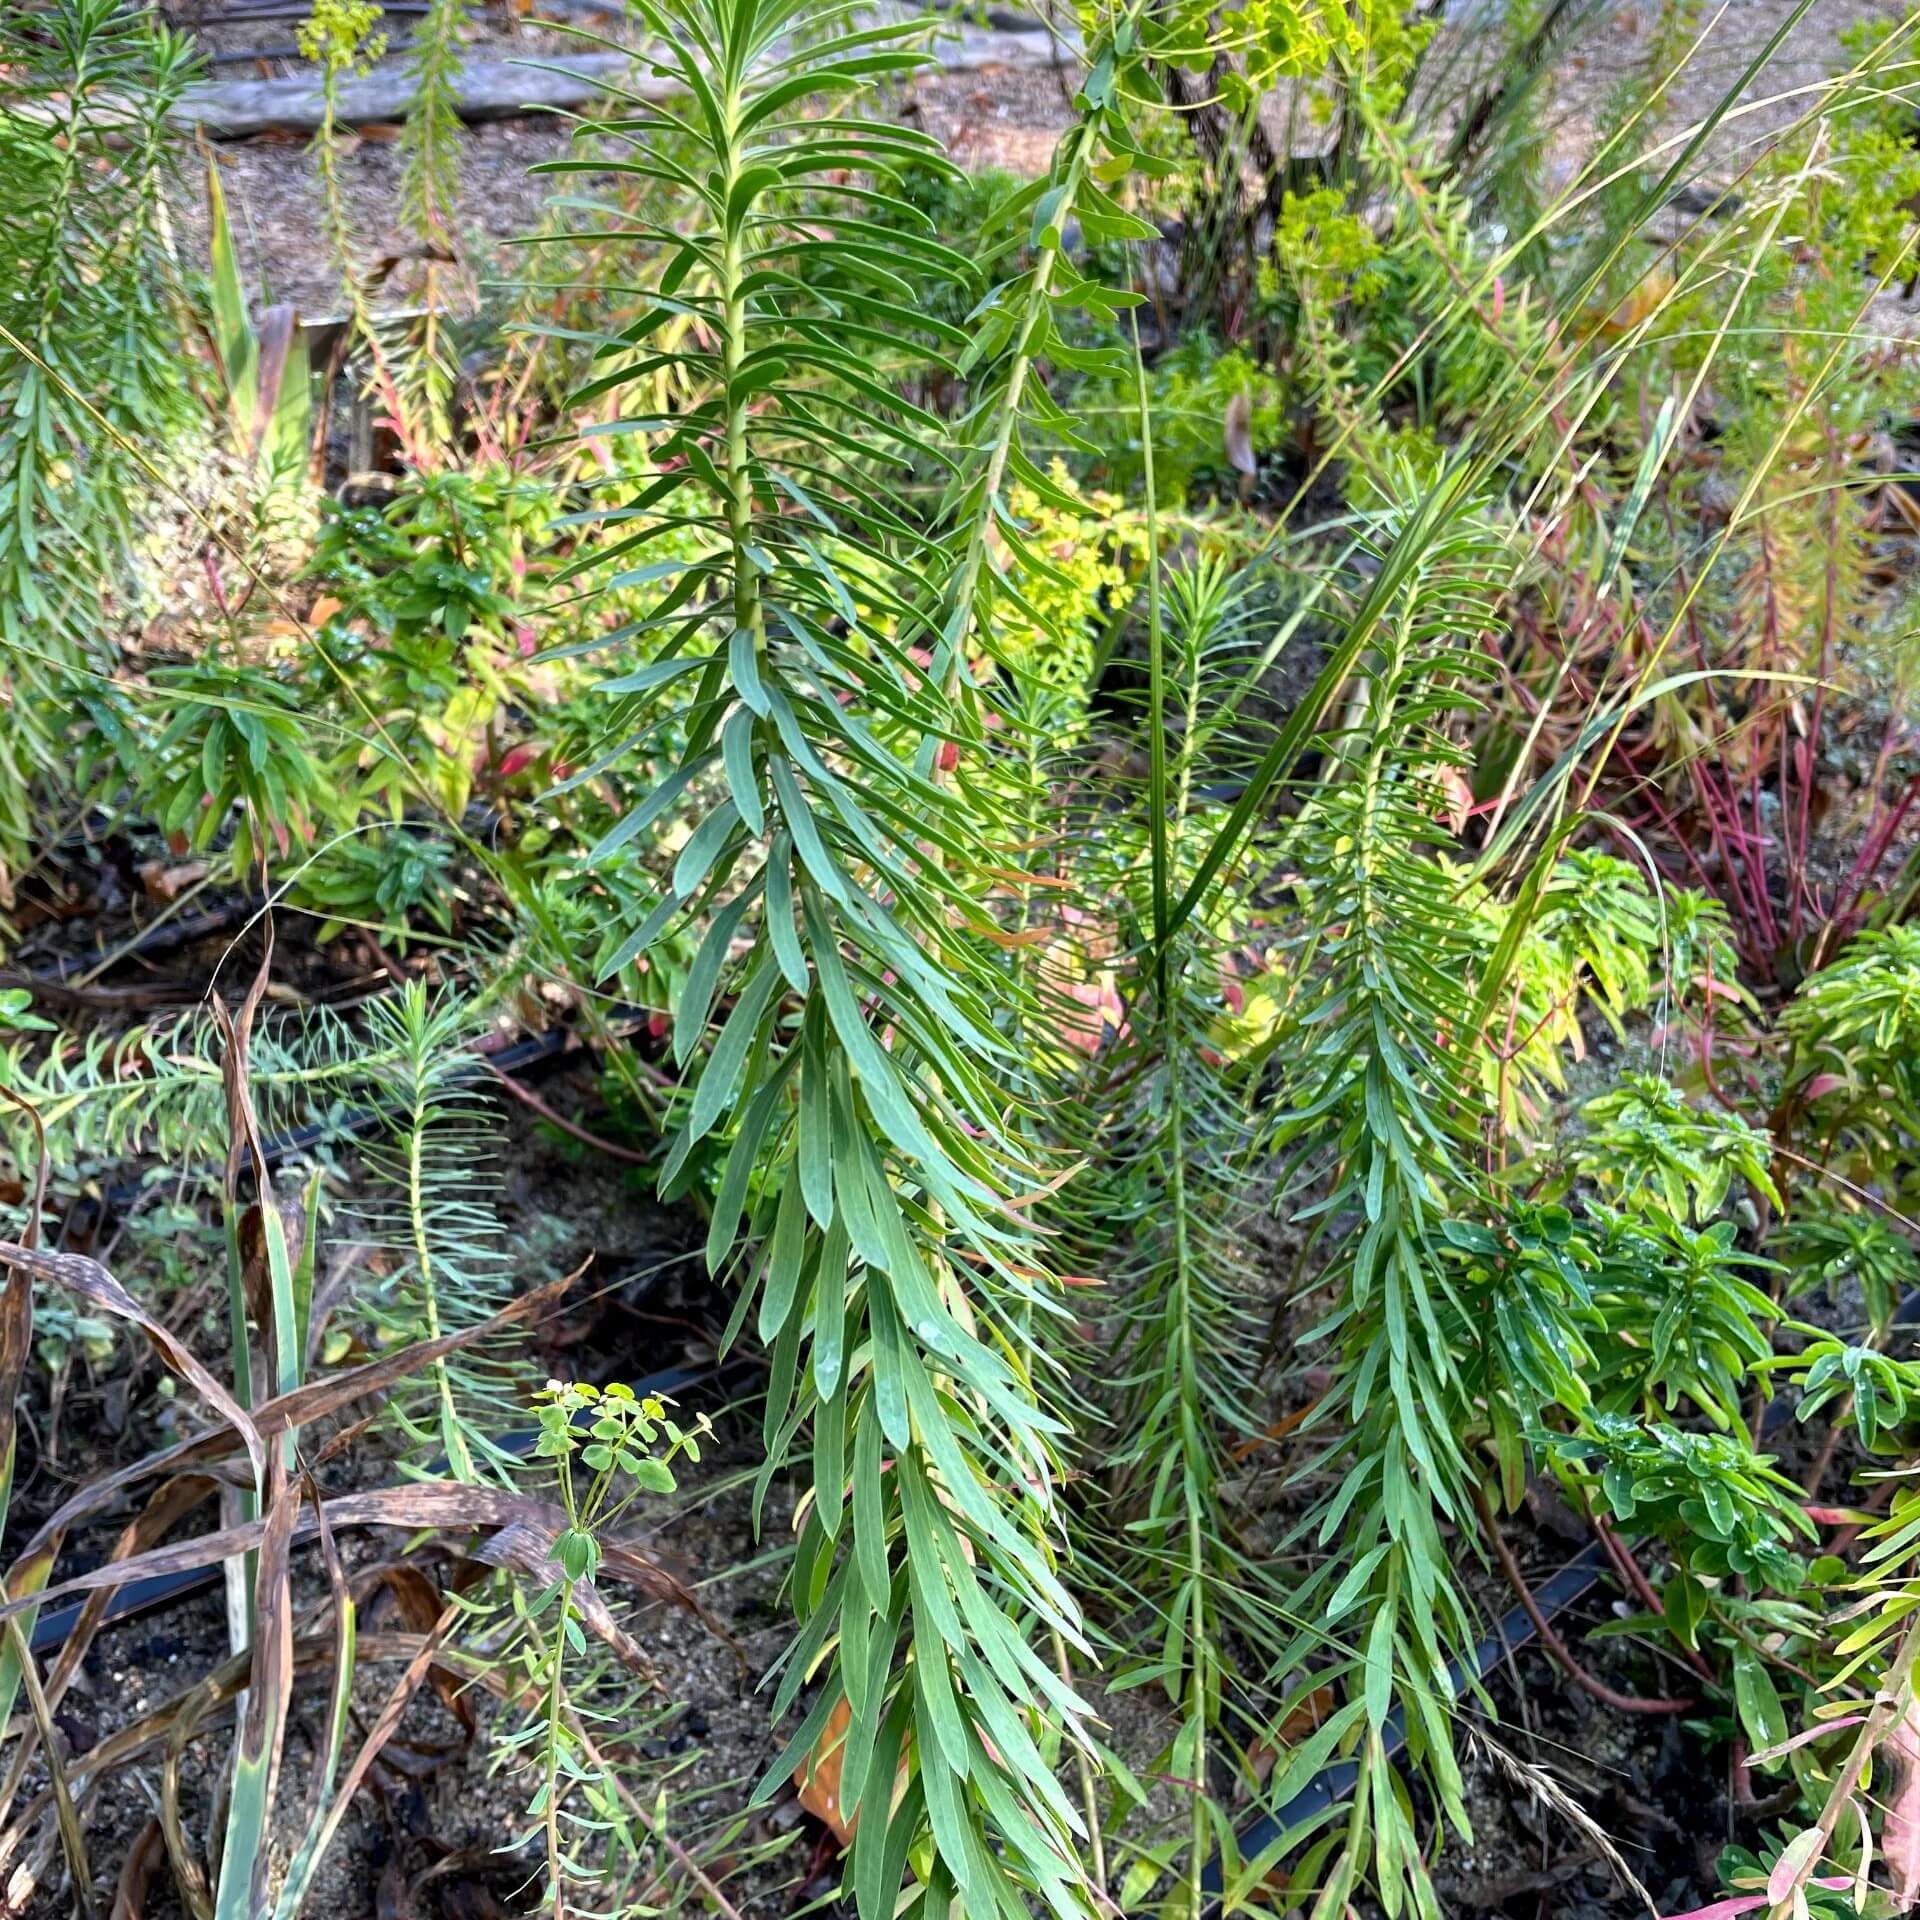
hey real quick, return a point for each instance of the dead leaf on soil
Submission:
(1237, 431)
(818, 1777)
(143, 1861)
(166, 883)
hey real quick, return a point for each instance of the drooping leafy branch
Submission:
(849, 1100)
(1380, 1099)
(86, 354)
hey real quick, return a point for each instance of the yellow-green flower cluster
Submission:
(341, 35)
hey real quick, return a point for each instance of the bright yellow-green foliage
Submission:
(1082, 564)
(1320, 237)
(1881, 163)
(341, 35)
(1303, 39)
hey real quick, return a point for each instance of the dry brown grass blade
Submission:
(323, 1397)
(271, 1418)
(170, 1503)
(340, 1594)
(73, 1838)
(386, 1724)
(256, 1281)
(236, 1033)
(16, 1343)
(16, 1309)
(183, 1716)
(321, 1820)
(88, 1281)
(196, 1890)
(263, 1727)
(436, 1505)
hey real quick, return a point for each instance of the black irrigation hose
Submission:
(162, 938)
(53, 1628)
(1333, 1783)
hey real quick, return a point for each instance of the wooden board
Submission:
(508, 89)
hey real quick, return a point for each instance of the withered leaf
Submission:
(1237, 432)
(89, 1281)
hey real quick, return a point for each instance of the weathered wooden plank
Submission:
(508, 89)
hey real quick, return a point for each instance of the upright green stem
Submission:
(952, 646)
(71, 148)
(1034, 774)
(1198, 1689)
(556, 1709)
(1156, 687)
(459, 1458)
(749, 613)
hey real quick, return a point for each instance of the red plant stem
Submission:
(1772, 652)
(1625, 1565)
(1683, 841)
(1728, 838)
(1795, 852)
(1759, 844)
(1718, 828)
(1817, 1473)
(1620, 1702)
(1622, 1557)
(560, 1120)
(1875, 848)
(1797, 868)
(217, 584)
(1867, 863)
(1706, 1064)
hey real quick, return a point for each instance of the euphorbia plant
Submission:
(851, 1096)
